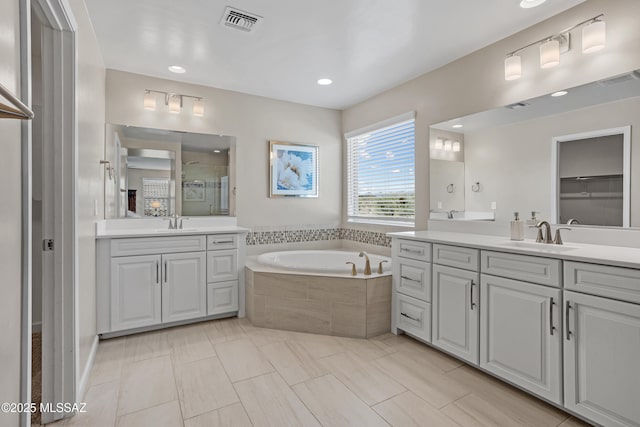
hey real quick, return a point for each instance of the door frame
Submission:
(60, 302)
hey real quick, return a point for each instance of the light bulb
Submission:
(594, 37)
(447, 145)
(512, 67)
(438, 144)
(550, 53)
(175, 104)
(456, 147)
(198, 108)
(149, 101)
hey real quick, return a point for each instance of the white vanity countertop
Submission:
(142, 232)
(597, 254)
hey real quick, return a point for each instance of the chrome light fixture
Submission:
(593, 39)
(174, 102)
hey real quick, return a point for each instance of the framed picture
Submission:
(294, 170)
(193, 191)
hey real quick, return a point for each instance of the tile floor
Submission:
(230, 373)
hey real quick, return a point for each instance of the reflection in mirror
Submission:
(512, 152)
(592, 184)
(166, 173)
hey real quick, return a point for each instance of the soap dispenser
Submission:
(517, 227)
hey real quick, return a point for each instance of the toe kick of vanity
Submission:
(563, 327)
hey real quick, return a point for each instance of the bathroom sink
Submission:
(179, 230)
(544, 247)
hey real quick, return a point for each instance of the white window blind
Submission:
(381, 174)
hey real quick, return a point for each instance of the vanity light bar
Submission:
(174, 101)
(593, 39)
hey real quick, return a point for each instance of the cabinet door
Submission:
(222, 297)
(135, 292)
(602, 359)
(184, 287)
(520, 334)
(222, 266)
(455, 312)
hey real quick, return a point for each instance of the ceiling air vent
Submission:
(240, 20)
(517, 105)
(634, 75)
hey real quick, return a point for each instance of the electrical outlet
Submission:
(95, 207)
(493, 206)
(439, 205)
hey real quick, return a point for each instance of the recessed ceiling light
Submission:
(559, 93)
(177, 69)
(456, 126)
(325, 82)
(216, 151)
(527, 4)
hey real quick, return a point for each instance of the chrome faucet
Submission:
(450, 213)
(573, 221)
(367, 264)
(547, 232)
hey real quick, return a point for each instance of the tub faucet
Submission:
(367, 264)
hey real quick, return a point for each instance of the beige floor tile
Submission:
(364, 349)
(316, 346)
(293, 362)
(408, 410)
(242, 359)
(270, 402)
(102, 404)
(146, 346)
(189, 344)
(165, 415)
(429, 383)
(229, 416)
(365, 380)
(471, 411)
(574, 422)
(335, 405)
(425, 354)
(264, 336)
(146, 384)
(109, 360)
(203, 386)
(224, 330)
(513, 402)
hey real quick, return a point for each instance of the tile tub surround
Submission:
(314, 234)
(344, 306)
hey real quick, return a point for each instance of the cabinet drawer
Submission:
(455, 256)
(222, 241)
(156, 245)
(612, 282)
(545, 271)
(222, 266)
(414, 316)
(414, 249)
(414, 278)
(222, 297)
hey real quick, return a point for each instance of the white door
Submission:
(455, 312)
(602, 359)
(135, 292)
(520, 334)
(184, 286)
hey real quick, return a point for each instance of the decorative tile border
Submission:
(317, 234)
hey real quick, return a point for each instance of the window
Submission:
(381, 172)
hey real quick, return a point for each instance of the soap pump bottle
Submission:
(517, 227)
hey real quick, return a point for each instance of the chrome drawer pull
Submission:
(473, 304)
(413, 251)
(551, 327)
(157, 272)
(409, 317)
(410, 279)
(218, 242)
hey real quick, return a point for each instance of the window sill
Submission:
(388, 223)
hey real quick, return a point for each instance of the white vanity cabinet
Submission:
(455, 308)
(520, 326)
(411, 297)
(602, 344)
(148, 282)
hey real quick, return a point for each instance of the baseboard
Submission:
(84, 379)
(36, 327)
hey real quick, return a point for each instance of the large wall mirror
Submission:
(154, 172)
(569, 156)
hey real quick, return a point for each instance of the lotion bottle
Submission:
(517, 227)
